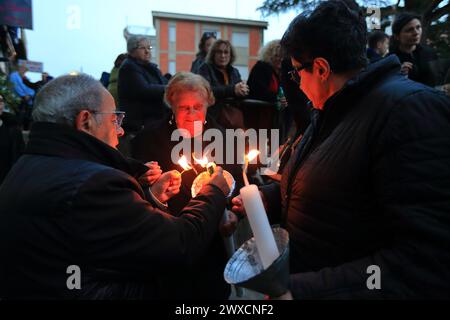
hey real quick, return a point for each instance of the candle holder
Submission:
(245, 268)
(205, 176)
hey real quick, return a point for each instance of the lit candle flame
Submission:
(184, 163)
(249, 157)
(203, 162)
(252, 155)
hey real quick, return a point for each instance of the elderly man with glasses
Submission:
(73, 202)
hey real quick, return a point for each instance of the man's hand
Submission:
(152, 175)
(228, 226)
(167, 186)
(219, 181)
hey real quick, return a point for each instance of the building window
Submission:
(172, 34)
(243, 70)
(218, 34)
(240, 39)
(172, 67)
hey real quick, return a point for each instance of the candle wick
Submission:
(244, 172)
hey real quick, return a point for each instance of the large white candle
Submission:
(256, 214)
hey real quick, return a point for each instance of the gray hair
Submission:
(134, 40)
(270, 51)
(188, 81)
(63, 98)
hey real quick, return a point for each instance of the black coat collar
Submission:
(58, 140)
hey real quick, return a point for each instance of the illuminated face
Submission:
(143, 52)
(411, 33)
(190, 109)
(223, 56)
(105, 126)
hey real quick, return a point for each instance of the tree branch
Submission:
(440, 12)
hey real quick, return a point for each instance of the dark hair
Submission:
(205, 37)
(215, 47)
(376, 37)
(120, 58)
(333, 31)
(402, 20)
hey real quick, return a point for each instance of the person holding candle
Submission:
(72, 201)
(189, 95)
(365, 195)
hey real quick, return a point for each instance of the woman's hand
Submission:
(219, 181)
(241, 89)
(238, 204)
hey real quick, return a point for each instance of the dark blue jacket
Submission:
(369, 185)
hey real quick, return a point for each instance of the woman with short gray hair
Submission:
(189, 96)
(141, 86)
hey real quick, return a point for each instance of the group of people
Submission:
(405, 43)
(366, 182)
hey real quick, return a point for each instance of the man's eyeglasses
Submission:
(120, 115)
(295, 74)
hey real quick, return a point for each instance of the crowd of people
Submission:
(363, 179)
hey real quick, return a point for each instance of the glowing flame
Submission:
(203, 162)
(252, 155)
(184, 163)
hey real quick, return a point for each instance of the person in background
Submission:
(414, 56)
(190, 95)
(36, 86)
(226, 83)
(378, 46)
(206, 42)
(264, 84)
(11, 141)
(114, 77)
(27, 95)
(73, 200)
(141, 86)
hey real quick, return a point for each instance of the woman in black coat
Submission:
(189, 95)
(141, 87)
(225, 81)
(264, 84)
(416, 58)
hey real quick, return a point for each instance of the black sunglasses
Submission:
(295, 74)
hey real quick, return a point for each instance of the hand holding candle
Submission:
(257, 217)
